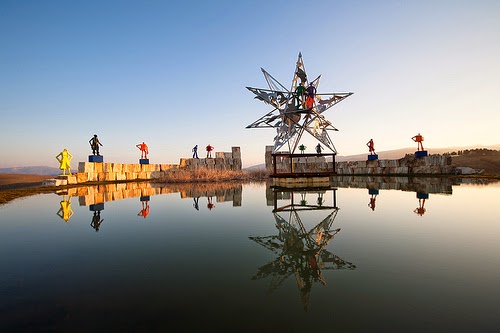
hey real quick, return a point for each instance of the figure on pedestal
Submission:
(144, 150)
(64, 158)
(302, 148)
(195, 151)
(96, 220)
(371, 147)
(319, 149)
(419, 139)
(94, 144)
(209, 151)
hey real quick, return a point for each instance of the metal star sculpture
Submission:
(297, 110)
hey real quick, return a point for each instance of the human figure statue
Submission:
(311, 92)
(418, 139)
(144, 150)
(145, 209)
(371, 204)
(299, 93)
(420, 210)
(195, 203)
(96, 220)
(65, 212)
(210, 204)
(319, 149)
(371, 147)
(302, 148)
(64, 158)
(209, 151)
(320, 199)
(195, 151)
(94, 144)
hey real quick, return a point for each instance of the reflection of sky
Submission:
(438, 271)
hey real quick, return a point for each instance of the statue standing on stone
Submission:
(64, 158)
(371, 147)
(94, 144)
(418, 139)
(144, 149)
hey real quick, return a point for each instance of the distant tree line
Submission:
(476, 152)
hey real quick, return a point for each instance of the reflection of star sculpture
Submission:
(300, 252)
(296, 110)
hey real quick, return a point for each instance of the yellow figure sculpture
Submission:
(65, 212)
(64, 158)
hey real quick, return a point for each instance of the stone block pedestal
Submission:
(144, 161)
(96, 158)
(372, 157)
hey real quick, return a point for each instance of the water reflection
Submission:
(301, 250)
(144, 212)
(373, 198)
(65, 212)
(96, 218)
(420, 210)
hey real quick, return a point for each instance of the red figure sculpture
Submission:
(209, 151)
(371, 147)
(418, 139)
(144, 150)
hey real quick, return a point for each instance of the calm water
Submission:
(244, 258)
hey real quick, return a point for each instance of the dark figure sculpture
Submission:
(299, 93)
(195, 151)
(319, 149)
(96, 221)
(94, 144)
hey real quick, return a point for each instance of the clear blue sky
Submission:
(173, 74)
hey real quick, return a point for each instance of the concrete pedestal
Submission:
(421, 153)
(96, 158)
(96, 207)
(144, 161)
(372, 157)
(421, 195)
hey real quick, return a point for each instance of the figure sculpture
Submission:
(94, 144)
(64, 158)
(144, 150)
(319, 149)
(209, 151)
(418, 139)
(371, 147)
(195, 151)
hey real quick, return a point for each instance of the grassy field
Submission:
(490, 164)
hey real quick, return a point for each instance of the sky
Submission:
(173, 74)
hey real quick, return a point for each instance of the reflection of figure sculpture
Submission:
(371, 147)
(195, 151)
(144, 149)
(420, 210)
(64, 158)
(418, 139)
(319, 149)
(145, 209)
(65, 212)
(302, 148)
(96, 220)
(371, 204)
(320, 199)
(209, 151)
(195, 203)
(94, 144)
(210, 204)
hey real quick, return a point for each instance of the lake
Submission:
(250, 258)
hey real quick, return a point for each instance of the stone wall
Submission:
(108, 172)
(408, 165)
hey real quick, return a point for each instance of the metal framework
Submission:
(292, 114)
(301, 251)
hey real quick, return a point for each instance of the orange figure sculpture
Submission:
(64, 158)
(371, 147)
(145, 209)
(144, 150)
(420, 210)
(418, 139)
(372, 202)
(209, 151)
